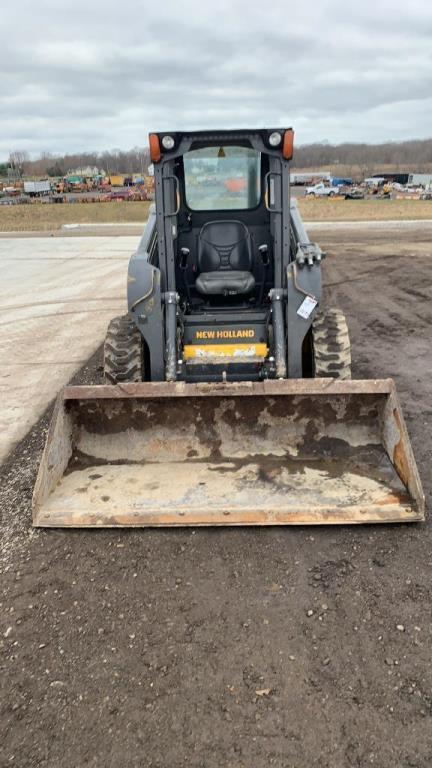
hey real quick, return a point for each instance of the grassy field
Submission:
(372, 209)
(48, 217)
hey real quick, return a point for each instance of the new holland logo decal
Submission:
(246, 333)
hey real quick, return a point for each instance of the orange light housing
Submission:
(155, 151)
(288, 144)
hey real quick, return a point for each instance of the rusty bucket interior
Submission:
(314, 451)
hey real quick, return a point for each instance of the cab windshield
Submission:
(221, 178)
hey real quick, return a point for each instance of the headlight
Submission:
(168, 142)
(275, 139)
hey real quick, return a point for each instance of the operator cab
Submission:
(223, 250)
(221, 255)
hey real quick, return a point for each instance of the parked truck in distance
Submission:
(37, 188)
(322, 190)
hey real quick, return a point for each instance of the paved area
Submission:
(56, 298)
(384, 225)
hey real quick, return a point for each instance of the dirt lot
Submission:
(49, 217)
(195, 647)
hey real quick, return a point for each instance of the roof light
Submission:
(168, 142)
(275, 139)
(155, 151)
(288, 144)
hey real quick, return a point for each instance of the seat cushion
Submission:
(224, 245)
(219, 283)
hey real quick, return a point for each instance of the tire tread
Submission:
(123, 353)
(331, 345)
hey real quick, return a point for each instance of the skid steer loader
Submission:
(228, 397)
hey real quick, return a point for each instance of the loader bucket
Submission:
(307, 451)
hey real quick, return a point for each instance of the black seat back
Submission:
(224, 245)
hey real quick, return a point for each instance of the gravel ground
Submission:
(242, 648)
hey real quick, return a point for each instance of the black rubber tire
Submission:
(123, 352)
(331, 345)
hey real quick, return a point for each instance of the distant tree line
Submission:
(414, 156)
(134, 160)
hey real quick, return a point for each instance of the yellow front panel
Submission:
(236, 351)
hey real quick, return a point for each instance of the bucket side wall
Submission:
(56, 455)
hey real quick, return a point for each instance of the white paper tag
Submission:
(307, 307)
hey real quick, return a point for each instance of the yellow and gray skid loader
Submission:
(228, 397)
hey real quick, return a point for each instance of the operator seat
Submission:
(224, 259)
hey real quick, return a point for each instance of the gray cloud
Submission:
(98, 74)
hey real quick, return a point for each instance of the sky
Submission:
(81, 75)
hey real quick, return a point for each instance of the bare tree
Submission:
(18, 160)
